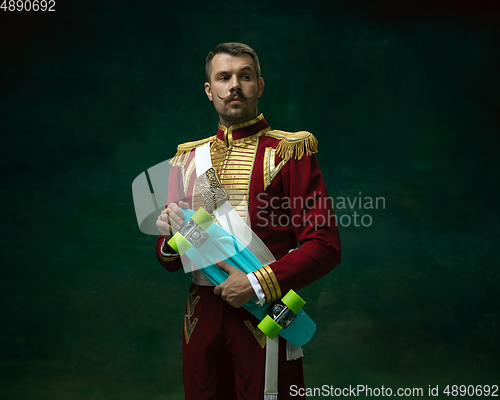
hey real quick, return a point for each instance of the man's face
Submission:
(234, 88)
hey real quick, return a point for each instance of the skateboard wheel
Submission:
(293, 301)
(179, 243)
(202, 218)
(269, 327)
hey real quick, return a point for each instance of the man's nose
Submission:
(235, 84)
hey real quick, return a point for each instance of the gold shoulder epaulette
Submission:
(294, 144)
(187, 147)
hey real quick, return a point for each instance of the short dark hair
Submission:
(234, 49)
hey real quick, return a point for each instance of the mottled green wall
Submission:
(404, 102)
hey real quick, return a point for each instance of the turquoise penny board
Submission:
(218, 243)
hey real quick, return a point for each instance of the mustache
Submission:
(234, 96)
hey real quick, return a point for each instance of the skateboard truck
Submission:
(281, 314)
(194, 234)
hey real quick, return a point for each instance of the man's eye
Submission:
(223, 78)
(247, 77)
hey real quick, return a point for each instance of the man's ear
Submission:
(208, 91)
(260, 86)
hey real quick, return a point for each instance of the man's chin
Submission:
(238, 115)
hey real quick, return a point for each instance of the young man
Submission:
(275, 185)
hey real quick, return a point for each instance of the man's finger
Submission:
(178, 214)
(223, 265)
(217, 290)
(173, 224)
(173, 217)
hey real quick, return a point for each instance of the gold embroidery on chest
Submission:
(210, 189)
(270, 169)
(233, 165)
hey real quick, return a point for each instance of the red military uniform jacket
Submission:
(275, 184)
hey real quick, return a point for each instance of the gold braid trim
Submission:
(187, 147)
(169, 258)
(274, 280)
(294, 144)
(269, 283)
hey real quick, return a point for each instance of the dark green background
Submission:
(404, 100)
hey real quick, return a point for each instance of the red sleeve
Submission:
(311, 223)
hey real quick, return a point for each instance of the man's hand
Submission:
(170, 219)
(236, 290)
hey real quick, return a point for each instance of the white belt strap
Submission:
(203, 159)
(271, 384)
